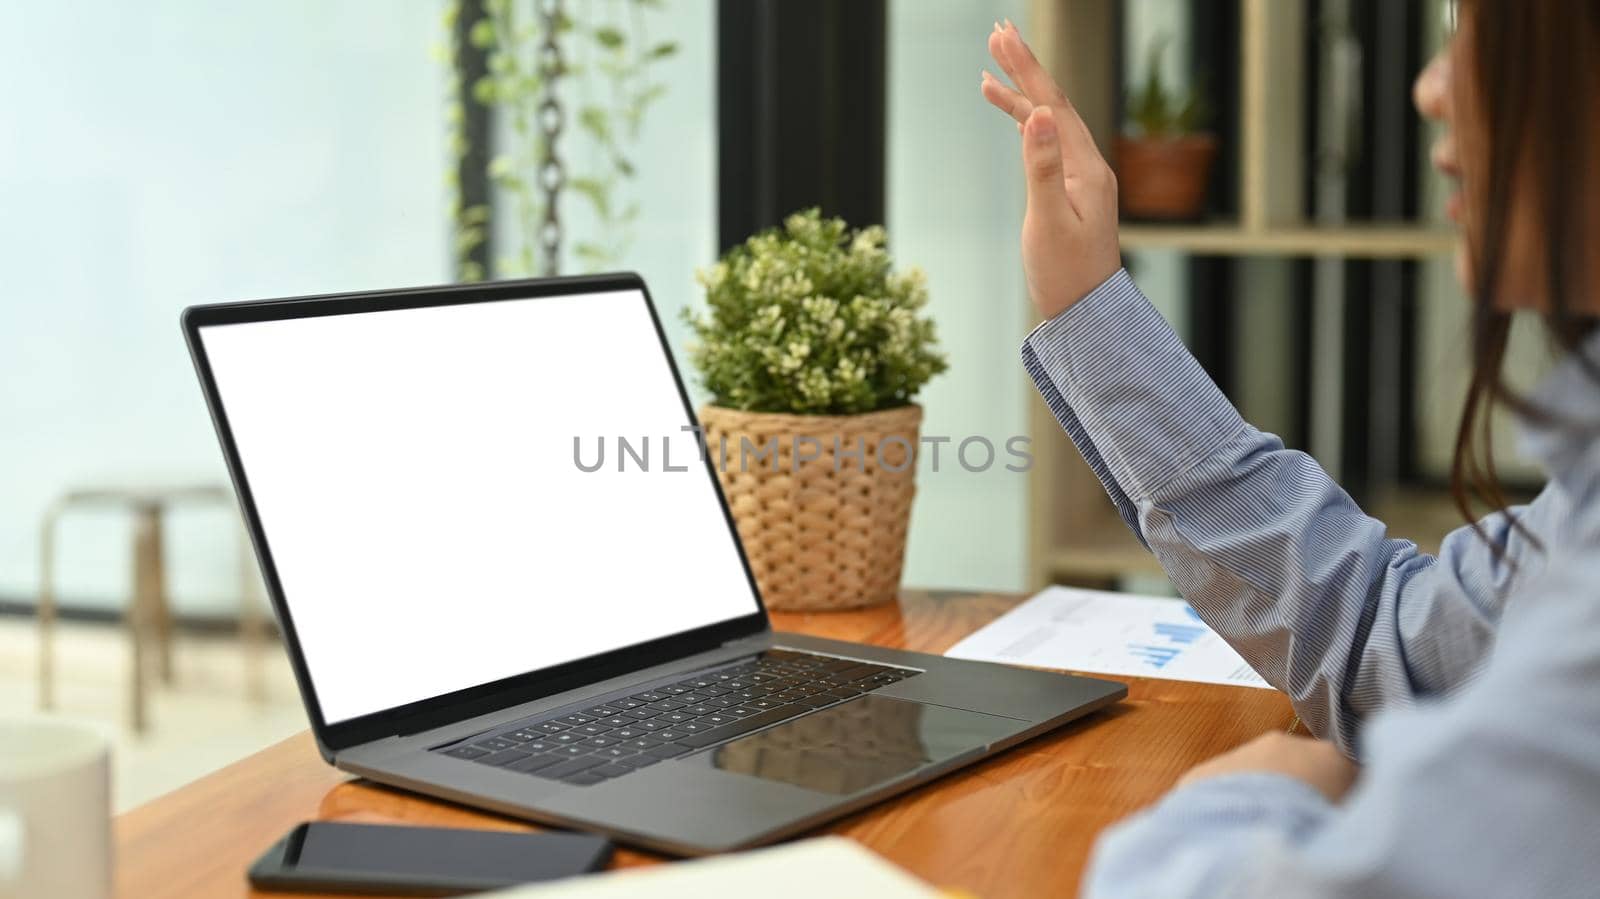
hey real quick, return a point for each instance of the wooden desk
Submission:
(1021, 824)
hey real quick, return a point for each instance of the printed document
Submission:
(1109, 633)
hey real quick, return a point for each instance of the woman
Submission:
(1460, 693)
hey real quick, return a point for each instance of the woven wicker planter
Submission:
(827, 532)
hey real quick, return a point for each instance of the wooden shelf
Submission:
(1353, 241)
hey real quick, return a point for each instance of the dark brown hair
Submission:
(1532, 70)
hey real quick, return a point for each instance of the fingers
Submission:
(1041, 158)
(1037, 89)
(1024, 69)
(1006, 99)
(999, 53)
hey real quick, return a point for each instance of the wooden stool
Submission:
(149, 611)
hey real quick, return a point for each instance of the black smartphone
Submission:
(326, 856)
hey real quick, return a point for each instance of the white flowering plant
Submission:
(812, 319)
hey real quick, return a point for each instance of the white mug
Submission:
(55, 810)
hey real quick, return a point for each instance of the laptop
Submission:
(475, 610)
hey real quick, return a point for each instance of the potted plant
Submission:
(1164, 157)
(813, 349)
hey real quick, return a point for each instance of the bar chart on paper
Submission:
(1109, 633)
(1168, 639)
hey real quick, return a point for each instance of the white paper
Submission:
(1109, 633)
(822, 866)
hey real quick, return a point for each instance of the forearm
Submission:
(1490, 792)
(1309, 589)
(1278, 559)
(1206, 840)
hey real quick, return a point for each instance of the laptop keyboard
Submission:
(629, 732)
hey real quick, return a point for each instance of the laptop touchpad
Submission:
(858, 744)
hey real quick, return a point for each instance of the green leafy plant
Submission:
(604, 51)
(1157, 110)
(811, 318)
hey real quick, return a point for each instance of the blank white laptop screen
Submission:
(416, 479)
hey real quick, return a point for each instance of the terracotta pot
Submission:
(823, 513)
(1164, 178)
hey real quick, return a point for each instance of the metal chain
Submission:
(552, 172)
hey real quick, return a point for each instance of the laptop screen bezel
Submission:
(505, 692)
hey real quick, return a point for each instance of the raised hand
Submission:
(1069, 233)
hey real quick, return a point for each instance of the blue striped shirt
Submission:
(1467, 683)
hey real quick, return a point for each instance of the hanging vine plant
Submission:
(545, 59)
